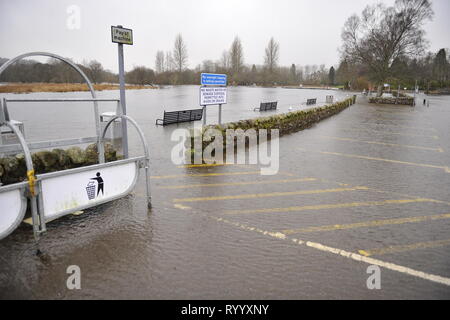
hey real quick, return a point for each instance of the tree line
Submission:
(171, 67)
(55, 71)
(381, 45)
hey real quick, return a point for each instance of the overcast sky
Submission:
(308, 30)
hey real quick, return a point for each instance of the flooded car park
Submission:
(368, 186)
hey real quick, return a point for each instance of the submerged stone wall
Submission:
(13, 168)
(405, 101)
(286, 123)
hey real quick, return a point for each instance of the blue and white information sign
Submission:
(210, 79)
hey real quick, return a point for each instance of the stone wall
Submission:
(13, 168)
(286, 123)
(406, 101)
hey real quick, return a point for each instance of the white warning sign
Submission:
(213, 95)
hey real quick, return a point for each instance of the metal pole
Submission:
(123, 101)
(220, 114)
(415, 90)
(204, 115)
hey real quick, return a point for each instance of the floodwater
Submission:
(372, 181)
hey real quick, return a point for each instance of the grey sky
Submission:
(308, 30)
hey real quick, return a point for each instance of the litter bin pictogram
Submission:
(90, 189)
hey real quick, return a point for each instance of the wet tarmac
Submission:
(368, 186)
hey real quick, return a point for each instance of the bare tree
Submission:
(208, 66)
(236, 56)
(293, 73)
(271, 55)
(307, 72)
(440, 66)
(169, 63)
(225, 60)
(160, 62)
(140, 75)
(180, 54)
(95, 71)
(382, 34)
(332, 76)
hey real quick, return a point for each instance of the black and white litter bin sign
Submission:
(90, 189)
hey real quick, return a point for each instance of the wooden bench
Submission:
(267, 106)
(172, 117)
(310, 102)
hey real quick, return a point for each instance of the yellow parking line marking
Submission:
(402, 126)
(384, 143)
(382, 114)
(404, 248)
(392, 133)
(207, 175)
(206, 165)
(401, 120)
(392, 125)
(179, 206)
(343, 253)
(406, 195)
(268, 195)
(379, 190)
(329, 206)
(368, 224)
(447, 169)
(412, 115)
(408, 112)
(245, 183)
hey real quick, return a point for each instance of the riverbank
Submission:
(63, 87)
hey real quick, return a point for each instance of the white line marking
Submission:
(343, 253)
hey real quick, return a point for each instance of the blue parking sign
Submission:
(210, 79)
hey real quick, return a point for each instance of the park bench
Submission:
(267, 106)
(310, 102)
(172, 117)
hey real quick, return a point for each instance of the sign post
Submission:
(122, 36)
(213, 91)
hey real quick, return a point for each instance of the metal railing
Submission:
(65, 142)
(36, 187)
